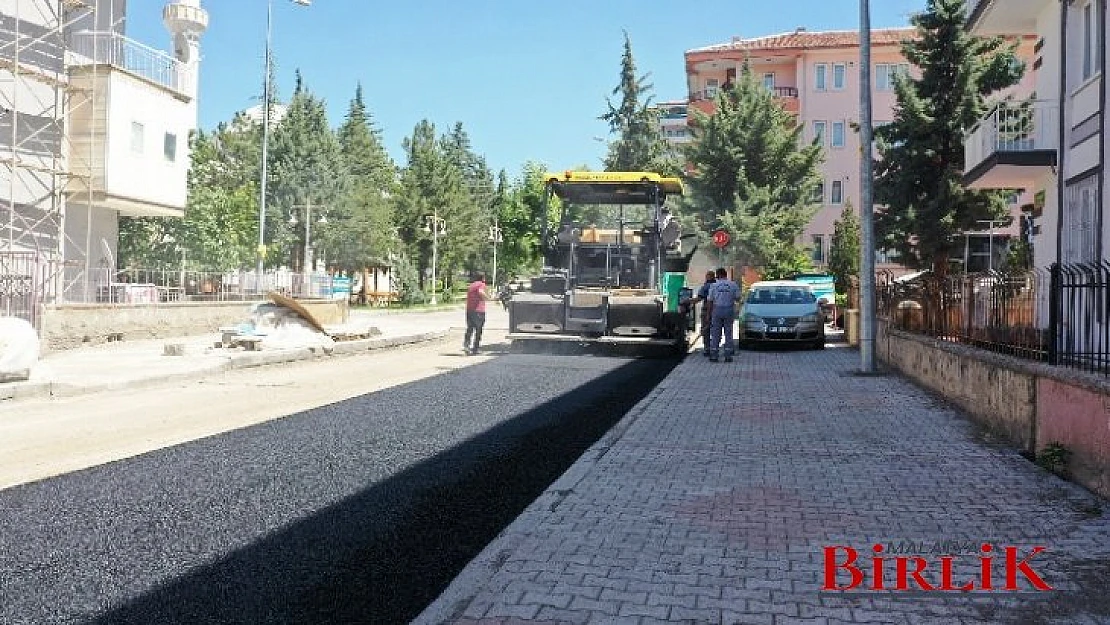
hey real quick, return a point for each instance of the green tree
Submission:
(919, 175)
(359, 233)
(752, 175)
(433, 184)
(220, 227)
(639, 145)
(844, 249)
(467, 243)
(307, 167)
(519, 207)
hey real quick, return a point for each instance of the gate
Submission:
(22, 286)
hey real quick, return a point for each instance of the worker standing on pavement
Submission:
(704, 320)
(475, 313)
(723, 296)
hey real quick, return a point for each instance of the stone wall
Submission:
(73, 325)
(1032, 405)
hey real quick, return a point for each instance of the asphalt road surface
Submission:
(360, 511)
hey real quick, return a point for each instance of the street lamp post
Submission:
(436, 226)
(307, 265)
(495, 238)
(267, 89)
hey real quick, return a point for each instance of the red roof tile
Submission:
(804, 40)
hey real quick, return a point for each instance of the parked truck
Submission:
(614, 264)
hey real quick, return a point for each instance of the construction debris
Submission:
(19, 349)
(283, 323)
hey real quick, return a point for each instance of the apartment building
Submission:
(815, 75)
(93, 126)
(674, 122)
(1057, 147)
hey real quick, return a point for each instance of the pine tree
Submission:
(359, 233)
(639, 145)
(844, 249)
(919, 175)
(307, 167)
(752, 176)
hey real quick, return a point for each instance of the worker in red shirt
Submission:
(475, 313)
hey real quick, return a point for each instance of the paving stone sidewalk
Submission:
(713, 500)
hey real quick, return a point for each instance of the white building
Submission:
(93, 126)
(674, 122)
(1057, 148)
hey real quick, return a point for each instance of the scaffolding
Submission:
(37, 156)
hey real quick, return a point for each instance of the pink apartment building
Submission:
(816, 76)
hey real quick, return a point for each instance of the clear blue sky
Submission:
(527, 80)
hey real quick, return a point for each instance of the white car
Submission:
(782, 311)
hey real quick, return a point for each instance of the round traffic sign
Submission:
(721, 238)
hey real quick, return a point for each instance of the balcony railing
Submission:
(1013, 127)
(709, 94)
(110, 48)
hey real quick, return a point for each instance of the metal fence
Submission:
(1079, 313)
(24, 283)
(1058, 315)
(151, 286)
(127, 54)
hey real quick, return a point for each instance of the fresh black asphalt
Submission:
(357, 512)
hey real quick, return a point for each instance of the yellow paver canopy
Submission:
(612, 187)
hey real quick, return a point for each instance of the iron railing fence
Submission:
(1059, 315)
(24, 284)
(154, 286)
(167, 285)
(1080, 316)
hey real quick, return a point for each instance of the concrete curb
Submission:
(475, 576)
(16, 391)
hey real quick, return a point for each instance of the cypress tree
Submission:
(919, 174)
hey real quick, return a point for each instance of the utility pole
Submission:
(867, 204)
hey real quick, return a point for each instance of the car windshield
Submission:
(781, 295)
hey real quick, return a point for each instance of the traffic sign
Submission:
(721, 238)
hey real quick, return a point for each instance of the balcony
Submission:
(1013, 145)
(1004, 17)
(703, 100)
(119, 52)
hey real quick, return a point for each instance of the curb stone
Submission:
(15, 391)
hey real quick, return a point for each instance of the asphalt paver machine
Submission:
(614, 264)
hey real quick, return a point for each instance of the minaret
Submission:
(186, 22)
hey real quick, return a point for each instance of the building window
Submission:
(819, 132)
(769, 81)
(711, 86)
(137, 138)
(818, 248)
(819, 193)
(840, 72)
(837, 192)
(885, 257)
(1092, 37)
(820, 75)
(838, 134)
(169, 147)
(886, 73)
(1080, 219)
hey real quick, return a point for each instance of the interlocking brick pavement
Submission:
(712, 500)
